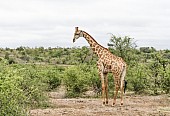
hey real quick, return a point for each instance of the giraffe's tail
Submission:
(125, 85)
(123, 82)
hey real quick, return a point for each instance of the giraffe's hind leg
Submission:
(121, 89)
(122, 84)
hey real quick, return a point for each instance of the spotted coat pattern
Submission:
(107, 62)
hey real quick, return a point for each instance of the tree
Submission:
(158, 73)
(7, 55)
(147, 49)
(123, 47)
(82, 53)
(21, 48)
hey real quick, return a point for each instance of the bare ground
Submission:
(133, 106)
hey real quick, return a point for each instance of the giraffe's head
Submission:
(77, 34)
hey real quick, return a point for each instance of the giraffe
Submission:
(107, 62)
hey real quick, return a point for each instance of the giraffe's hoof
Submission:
(104, 103)
(121, 104)
(113, 104)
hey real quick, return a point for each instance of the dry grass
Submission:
(133, 106)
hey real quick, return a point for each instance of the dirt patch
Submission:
(133, 106)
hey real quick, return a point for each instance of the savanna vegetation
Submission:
(27, 74)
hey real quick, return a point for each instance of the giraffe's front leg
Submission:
(117, 86)
(106, 87)
(115, 96)
(103, 88)
(103, 82)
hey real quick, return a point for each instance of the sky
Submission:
(51, 23)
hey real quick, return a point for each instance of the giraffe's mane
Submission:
(95, 40)
(99, 44)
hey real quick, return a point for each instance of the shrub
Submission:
(12, 98)
(79, 79)
(166, 83)
(20, 90)
(137, 79)
(54, 79)
(74, 81)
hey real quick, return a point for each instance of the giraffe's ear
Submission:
(76, 28)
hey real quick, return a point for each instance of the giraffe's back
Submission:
(113, 63)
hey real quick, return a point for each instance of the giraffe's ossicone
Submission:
(107, 63)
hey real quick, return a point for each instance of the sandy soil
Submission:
(133, 106)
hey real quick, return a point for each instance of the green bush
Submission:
(54, 79)
(138, 79)
(79, 79)
(166, 83)
(75, 81)
(34, 87)
(12, 98)
(20, 89)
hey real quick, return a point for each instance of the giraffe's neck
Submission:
(97, 48)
